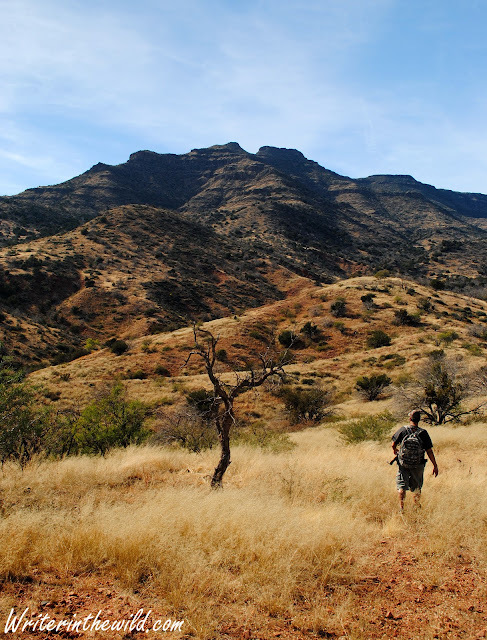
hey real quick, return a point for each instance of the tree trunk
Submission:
(224, 434)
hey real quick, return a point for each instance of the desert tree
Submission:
(440, 388)
(266, 365)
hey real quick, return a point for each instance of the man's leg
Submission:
(402, 495)
(402, 484)
(417, 498)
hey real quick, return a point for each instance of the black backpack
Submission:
(411, 452)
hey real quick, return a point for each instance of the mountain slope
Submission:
(164, 239)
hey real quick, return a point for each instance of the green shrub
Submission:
(368, 301)
(403, 318)
(222, 355)
(447, 337)
(424, 304)
(22, 424)
(289, 339)
(91, 345)
(311, 331)
(377, 427)
(111, 421)
(138, 374)
(203, 401)
(339, 308)
(437, 284)
(118, 347)
(340, 326)
(305, 404)
(161, 370)
(371, 387)
(378, 338)
(286, 338)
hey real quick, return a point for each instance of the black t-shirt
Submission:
(423, 435)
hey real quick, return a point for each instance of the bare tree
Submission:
(267, 365)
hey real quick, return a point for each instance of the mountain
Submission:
(165, 239)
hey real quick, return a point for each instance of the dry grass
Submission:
(286, 540)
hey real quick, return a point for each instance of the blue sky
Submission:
(360, 86)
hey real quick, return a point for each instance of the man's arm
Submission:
(431, 456)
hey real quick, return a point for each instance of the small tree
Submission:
(111, 421)
(269, 364)
(371, 388)
(439, 389)
(21, 424)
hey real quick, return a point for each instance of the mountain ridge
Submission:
(223, 229)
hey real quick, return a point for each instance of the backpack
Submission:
(411, 452)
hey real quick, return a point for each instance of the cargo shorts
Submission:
(410, 479)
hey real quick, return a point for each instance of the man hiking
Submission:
(409, 445)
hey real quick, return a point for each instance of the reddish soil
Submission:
(397, 598)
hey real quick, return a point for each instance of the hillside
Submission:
(333, 360)
(163, 240)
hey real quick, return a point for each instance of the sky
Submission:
(361, 86)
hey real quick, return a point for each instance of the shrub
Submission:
(377, 427)
(447, 337)
(378, 338)
(222, 355)
(339, 308)
(437, 284)
(118, 347)
(286, 338)
(371, 388)
(289, 339)
(368, 301)
(185, 428)
(91, 345)
(340, 326)
(403, 318)
(311, 331)
(111, 421)
(305, 404)
(382, 273)
(439, 388)
(160, 370)
(424, 304)
(138, 374)
(21, 423)
(203, 401)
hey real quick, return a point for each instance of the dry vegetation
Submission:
(305, 544)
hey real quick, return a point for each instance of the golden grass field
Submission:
(303, 544)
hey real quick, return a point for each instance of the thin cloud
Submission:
(93, 82)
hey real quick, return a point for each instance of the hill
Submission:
(163, 240)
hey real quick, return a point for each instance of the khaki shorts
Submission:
(410, 479)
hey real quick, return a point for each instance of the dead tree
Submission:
(270, 364)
